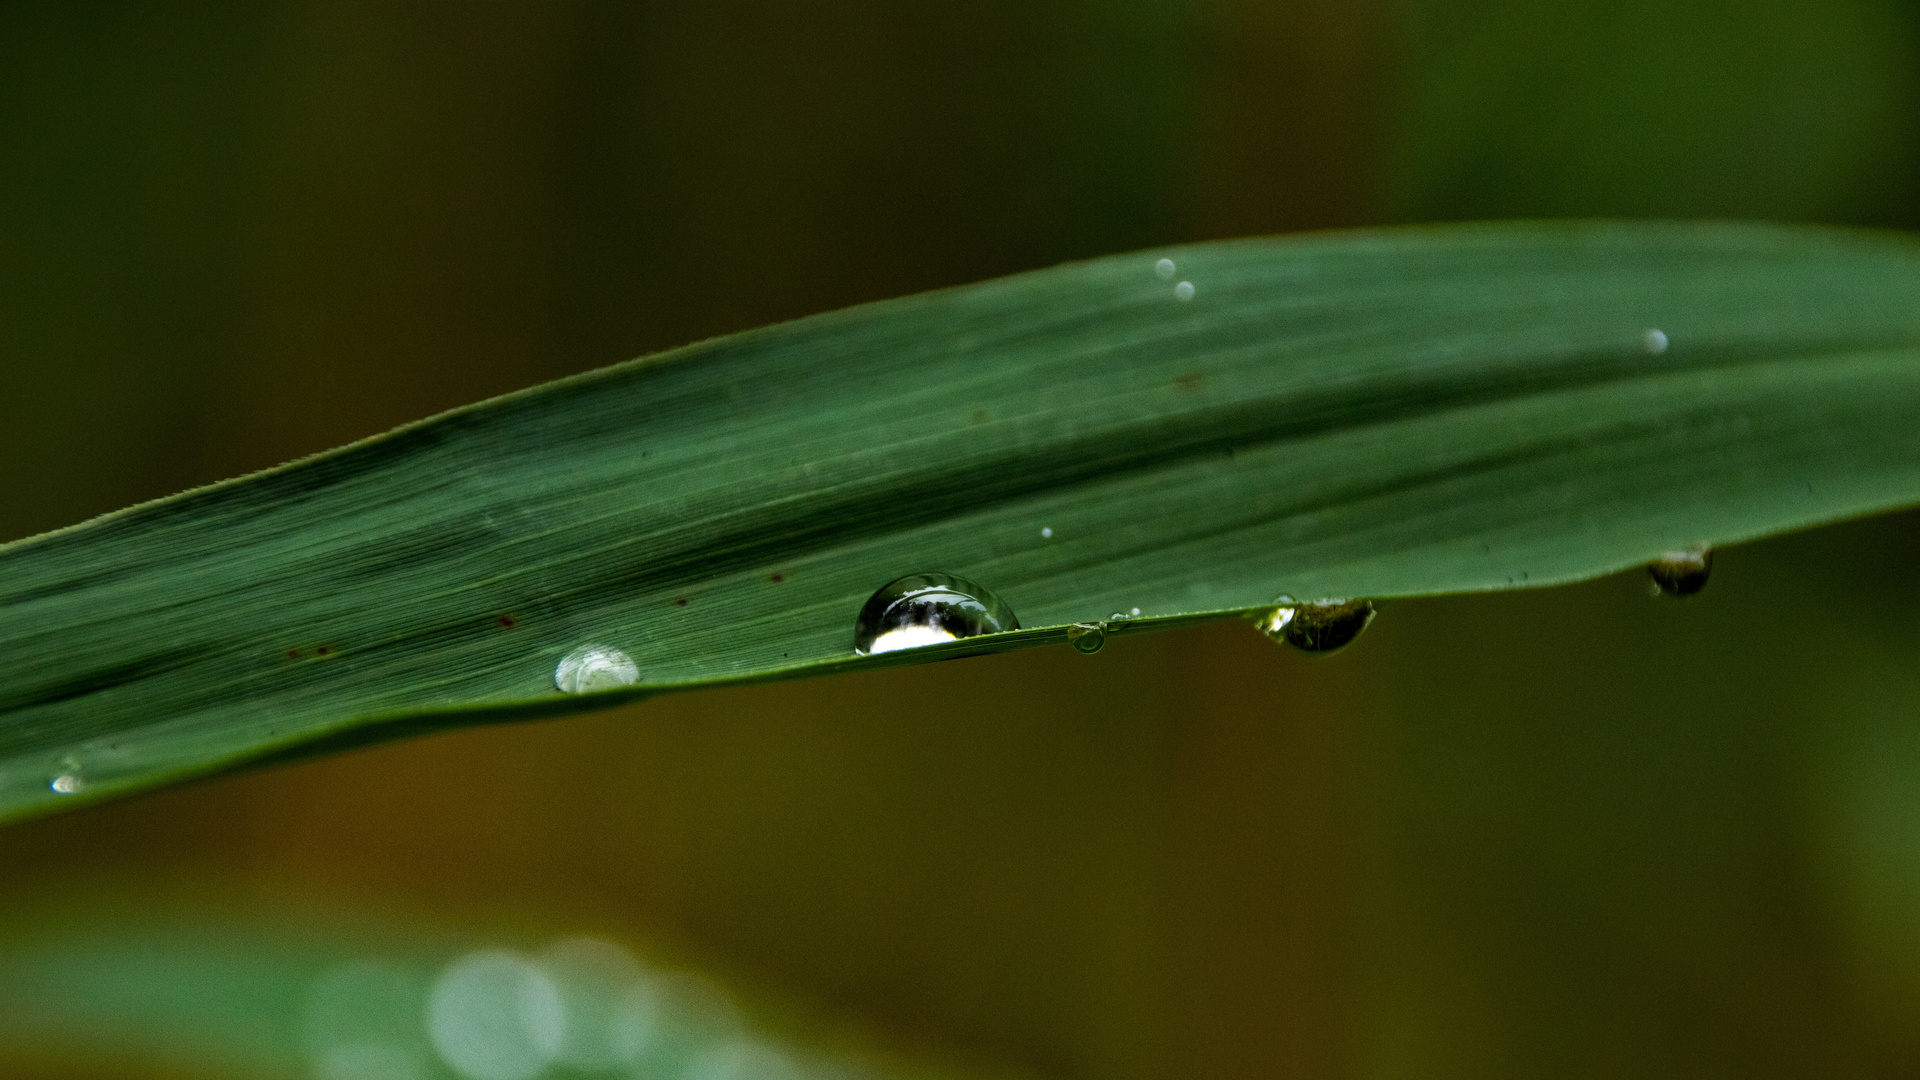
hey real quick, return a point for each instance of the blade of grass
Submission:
(1376, 414)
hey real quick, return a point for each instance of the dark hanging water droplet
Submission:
(1681, 573)
(1320, 627)
(1087, 636)
(927, 609)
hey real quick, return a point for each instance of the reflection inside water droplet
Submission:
(1163, 269)
(1320, 627)
(595, 667)
(1681, 573)
(1088, 637)
(1183, 291)
(927, 609)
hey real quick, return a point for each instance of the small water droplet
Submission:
(1183, 291)
(927, 609)
(1087, 636)
(1163, 269)
(1681, 573)
(1135, 611)
(1655, 341)
(595, 667)
(1046, 534)
(1320, 627)
(67, 784)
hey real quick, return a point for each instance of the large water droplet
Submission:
(927, 609)
(1655, 341)
(595, 667)
(1320, 627)
(1088, 637)
(1681, 573)
(1163, 269)
(67, 784)
(1183, 291)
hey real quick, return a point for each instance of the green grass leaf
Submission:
(1374, 414)
(131, 989)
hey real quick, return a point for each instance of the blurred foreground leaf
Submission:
(1375, 414)
(253, 996)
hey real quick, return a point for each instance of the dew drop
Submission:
(1320, 627)
(1183, 291)
(1681, 573)
(1088, 637)
(595, 667)
(1163, 269)
(67, 784)
(1655, 341)
(1046, 534)
(927, 609)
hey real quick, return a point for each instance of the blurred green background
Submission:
(1573, 832)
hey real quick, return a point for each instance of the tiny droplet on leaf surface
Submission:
(1087, 637)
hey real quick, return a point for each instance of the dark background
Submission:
(1573, 832)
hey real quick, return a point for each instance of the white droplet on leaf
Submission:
(595, 667)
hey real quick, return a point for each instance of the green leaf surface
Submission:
(1378, 414)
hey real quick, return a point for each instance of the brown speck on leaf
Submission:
(323, 650)
(979, 416)
(293, 654)
(506, 621)
(682, 602)
(1190, 381)
(776, 578)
